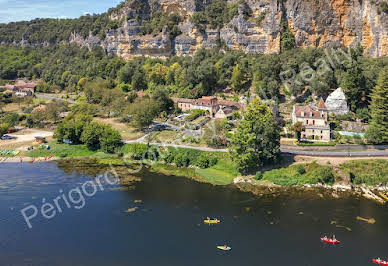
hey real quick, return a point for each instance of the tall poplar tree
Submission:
(378, 129)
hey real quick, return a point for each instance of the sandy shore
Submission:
(25, 159)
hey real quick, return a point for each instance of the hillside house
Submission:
(21, 88)
(210, 104)
(314, 118)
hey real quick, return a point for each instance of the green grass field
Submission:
(222, 173)
(61, 150)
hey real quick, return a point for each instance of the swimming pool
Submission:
(346, 133)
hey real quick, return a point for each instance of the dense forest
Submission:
(205, 73)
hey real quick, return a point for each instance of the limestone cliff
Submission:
(314, 23)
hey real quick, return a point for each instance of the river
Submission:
(167, 226)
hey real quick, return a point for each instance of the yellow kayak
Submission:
(384, 196)
(226, 248)
(214, 221)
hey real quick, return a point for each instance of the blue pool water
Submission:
(346, 133)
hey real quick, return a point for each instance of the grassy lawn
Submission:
(370, 172)
(61, 150)
(127, 132)
(222, 173)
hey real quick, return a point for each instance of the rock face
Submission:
(318, 23)
(336, 102)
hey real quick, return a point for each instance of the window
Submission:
(307, 122)
(314, 122)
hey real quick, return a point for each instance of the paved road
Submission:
(54, 98)
(336, 153)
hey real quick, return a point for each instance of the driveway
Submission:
(25, 136)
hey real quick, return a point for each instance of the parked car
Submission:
(7, 137)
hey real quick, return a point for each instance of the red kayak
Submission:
(380, 262)
(330, 240)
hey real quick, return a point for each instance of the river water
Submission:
(167, 226)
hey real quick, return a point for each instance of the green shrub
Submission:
(259, 175)
(203, 161)
(182, 160)
(136, 151)
(301, 174)
(370, 172)
(213, 161)
(300, 169)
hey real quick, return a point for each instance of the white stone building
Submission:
(314, 118)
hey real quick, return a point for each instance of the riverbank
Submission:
(357, 176)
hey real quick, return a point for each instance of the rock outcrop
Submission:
(336, 102)
(318, 23)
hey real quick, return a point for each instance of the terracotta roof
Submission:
(321, 104)
(308, 112)
(205, 101)
(182, 100)
(209, 101)
(23, 84)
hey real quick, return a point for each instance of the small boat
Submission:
(330, 240)
(383, 196)
(380, 262)
(211, 221)
(225, 247)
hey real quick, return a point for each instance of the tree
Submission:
(237, 80)
(378, 129)
(164, 102)
(72, 128)
(298, 128)
(3, 129)
(142, 112)
(110, 139)
(257, 139)
(91, 136)
(287, 37)
(138, 82)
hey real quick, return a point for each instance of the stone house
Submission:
(210, 104)
(314, 118)
(21, 88)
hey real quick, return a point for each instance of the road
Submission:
(336, 153)
(284, 151)
(54, 98)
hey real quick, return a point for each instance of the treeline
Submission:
(62, 66)
(204, 73)
(55, 31)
